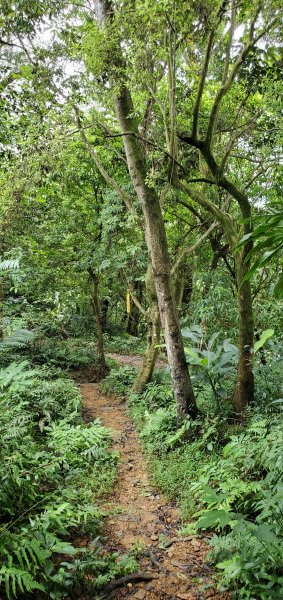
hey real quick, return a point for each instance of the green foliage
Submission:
(241, 496)
(69, 353)
(158, 429)
(119, 381)
(125, 344)
(212, 364)
(268, 243)
(228, 478)
(265, 335)
(52, 467)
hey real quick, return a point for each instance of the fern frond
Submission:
(18, 339)
(14, 578)
(17, 373)
(12, 264)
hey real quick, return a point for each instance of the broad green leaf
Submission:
(265, 534)
(268, 333)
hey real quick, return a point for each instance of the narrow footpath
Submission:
(142, 518)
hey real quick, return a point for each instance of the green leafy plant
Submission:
(212, 363)
(48, 489)
(118, 381)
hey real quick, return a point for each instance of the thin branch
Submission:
(202, 179)
(223, 219)
(261, 171)
(163, 114)
(190, 207)
(143, 139)
(137, 303)
(122, 581)
(229, 45)
(192, 248)
(234, 137)
(204, 71)
(201, 83)
(224, 89)
(101, 169)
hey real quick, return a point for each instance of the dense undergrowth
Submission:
(53, 469)
(226, 476)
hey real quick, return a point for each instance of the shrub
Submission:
(118, 381)
(52, 467)
(228, 478)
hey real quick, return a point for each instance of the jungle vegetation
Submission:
(140, 213)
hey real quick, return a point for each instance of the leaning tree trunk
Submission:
(153, 336)
(154, 224)
(134, 316)
(100, 344)
(158, 250)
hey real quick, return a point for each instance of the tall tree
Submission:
(154, 224)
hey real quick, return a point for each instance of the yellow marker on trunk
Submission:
(128, 302)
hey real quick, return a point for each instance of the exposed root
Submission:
(132, 578)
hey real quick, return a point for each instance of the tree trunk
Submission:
(154, 226)
(134, 316)
(103, 369)
(153, 336)
(244, 393)
(158, 250)
(104, 313)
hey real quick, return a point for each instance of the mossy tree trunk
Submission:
(244, 393)
(158, 250)
(153, 335)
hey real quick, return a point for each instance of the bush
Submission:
(118, 381)
(228, 478)
(242, 497)
(126, 344)
(52, 467)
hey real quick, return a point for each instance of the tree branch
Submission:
(229, 45)
(201, 83)
(204, 71)
(222, 218)
(224, 89)
(100, 167)
(192, 248)
(137, 303)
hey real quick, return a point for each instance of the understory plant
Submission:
(52, 469)
(228, 480)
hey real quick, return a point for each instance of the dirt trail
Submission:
(144, 515)
(135, 360)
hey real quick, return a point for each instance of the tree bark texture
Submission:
(153, 336)
(244, 393)
(155, 233)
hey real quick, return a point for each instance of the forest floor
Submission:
(135, 360)
(142, 518)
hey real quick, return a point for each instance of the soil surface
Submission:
(142, 517)
(135, 360)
